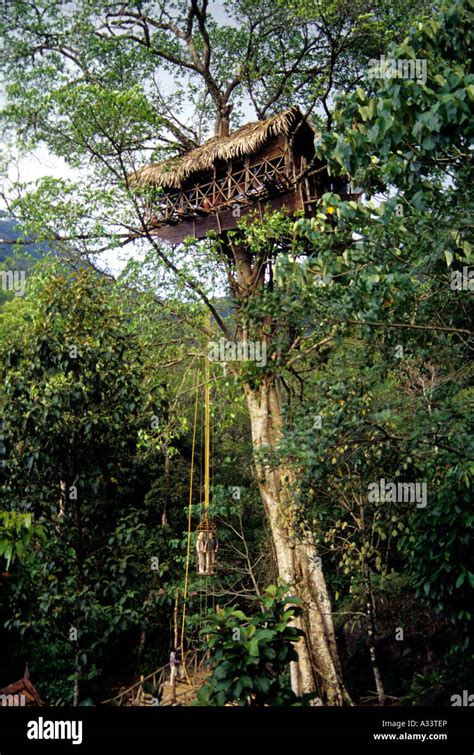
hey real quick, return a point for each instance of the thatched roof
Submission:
(244, 141)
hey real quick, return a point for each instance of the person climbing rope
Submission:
(175, 665)
(211, 552)
(201, 552)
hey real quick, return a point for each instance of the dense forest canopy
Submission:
(342, 462)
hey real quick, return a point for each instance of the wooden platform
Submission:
(225, 220)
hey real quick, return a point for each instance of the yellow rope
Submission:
(207, 460)
(190, 505)
(207, 437)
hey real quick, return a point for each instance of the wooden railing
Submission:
(134, 694)
(242, 185)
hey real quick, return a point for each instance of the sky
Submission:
(42, 163)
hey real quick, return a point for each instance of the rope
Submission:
(207, 437)
(188, 550)
(207, 460)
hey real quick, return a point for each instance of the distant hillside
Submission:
(24, 255)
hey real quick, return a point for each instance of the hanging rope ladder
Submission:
(206, 531)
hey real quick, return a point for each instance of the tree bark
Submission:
(164, 513)
(318, 666)
(370, 614)
(222, 125)
(371, 637)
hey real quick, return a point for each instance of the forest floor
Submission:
(185, 690)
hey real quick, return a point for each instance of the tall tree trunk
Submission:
(318, 666)
(164, 513)
(222, 125)
(371, 635)
(370, 613)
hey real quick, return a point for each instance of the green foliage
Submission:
(52, 665)
(440, 552)
(403, 418)
(406, 130)
(17, 534)
(423, 683)
(341, 292)
(249, 655)
(76, 396)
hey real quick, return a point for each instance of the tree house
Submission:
(263, 165)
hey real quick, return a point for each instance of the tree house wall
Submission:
(225, 219)
(247, 186)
